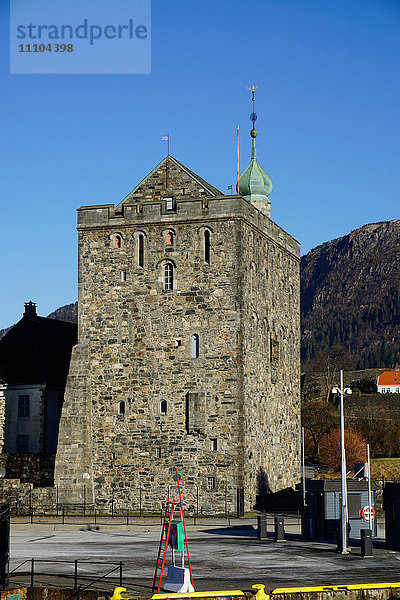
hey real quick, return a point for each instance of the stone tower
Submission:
(188, 347)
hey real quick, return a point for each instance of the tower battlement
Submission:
(154, 211)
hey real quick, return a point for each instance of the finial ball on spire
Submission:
(253, 133)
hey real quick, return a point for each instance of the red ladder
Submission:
(158, 574)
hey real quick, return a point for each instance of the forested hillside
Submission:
(350, 299)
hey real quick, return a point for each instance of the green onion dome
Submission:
(254, 184)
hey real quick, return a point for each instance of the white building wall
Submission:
(389, 389)
(30, 425)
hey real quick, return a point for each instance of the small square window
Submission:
(211, 483)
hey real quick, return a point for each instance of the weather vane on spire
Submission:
(253, 116)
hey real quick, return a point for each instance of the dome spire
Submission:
(255, 185)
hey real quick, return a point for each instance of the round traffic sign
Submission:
(366, 511)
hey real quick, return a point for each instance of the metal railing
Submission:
(33, 572)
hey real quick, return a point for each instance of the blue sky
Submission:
(328, 102)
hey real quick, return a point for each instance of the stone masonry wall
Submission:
(137, 403)
(271, 342)
(37, 469)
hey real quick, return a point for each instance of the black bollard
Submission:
(262, 526)
(279, 529)
(366, 542)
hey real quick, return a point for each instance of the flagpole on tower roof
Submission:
(165, 138)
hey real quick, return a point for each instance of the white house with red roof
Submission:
(389, 382)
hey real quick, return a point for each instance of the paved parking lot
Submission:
(222, 557)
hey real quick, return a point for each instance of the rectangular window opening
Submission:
(169, 204)
(354, 506)
(23, 406)
(211, 483)
(214, 444)
(22, 444)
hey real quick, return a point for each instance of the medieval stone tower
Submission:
(188, 346)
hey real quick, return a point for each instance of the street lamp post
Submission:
(344, 512)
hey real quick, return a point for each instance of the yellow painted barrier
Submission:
(335, 588)
(214, 594)
(117, 595)
(260, 594)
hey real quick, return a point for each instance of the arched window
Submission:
(195, 345)
(168, 277)
(121, 407)
(163, 407)
(117, 241)
(141, 250)
(207, 246)
(170, 238)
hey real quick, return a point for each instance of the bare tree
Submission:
(354, 443)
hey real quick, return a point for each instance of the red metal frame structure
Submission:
(169, 512)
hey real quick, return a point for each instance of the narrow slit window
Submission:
(214, 444)
(207, 247)
(168, 277)
(123, 275)
(141, 250)
(158, 452)
(163, 407)
(195, 345)
(121, 407)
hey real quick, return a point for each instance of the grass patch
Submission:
(389, 468)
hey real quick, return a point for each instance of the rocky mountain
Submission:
(350, 299)
(69, 313)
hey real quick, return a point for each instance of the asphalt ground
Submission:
(222, 557)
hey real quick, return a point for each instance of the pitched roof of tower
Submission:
(171, 177)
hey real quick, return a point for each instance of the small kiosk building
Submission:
(321, 517)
